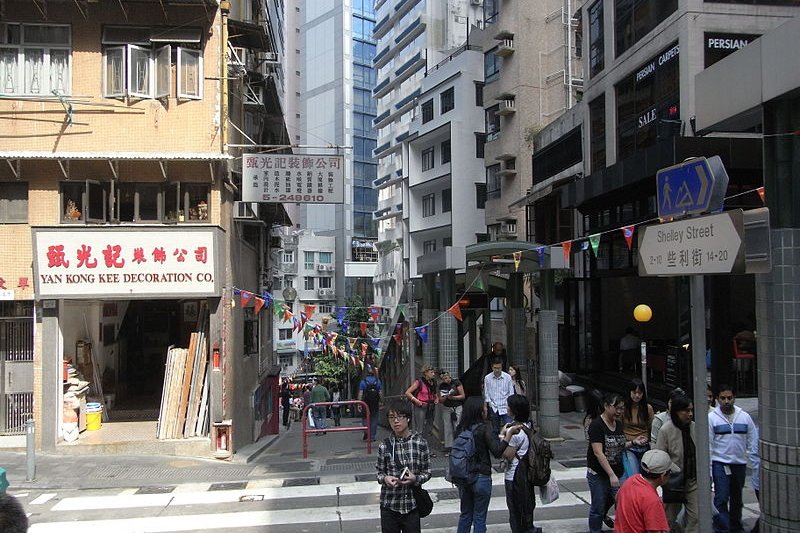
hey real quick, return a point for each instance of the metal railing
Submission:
(306, 430)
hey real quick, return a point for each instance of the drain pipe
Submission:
(30, 452)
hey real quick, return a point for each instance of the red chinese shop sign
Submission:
(116, 262)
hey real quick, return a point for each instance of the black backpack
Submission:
(537, 458)
(372, 394)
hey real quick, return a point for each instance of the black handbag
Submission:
(423, 500)
(674, 490)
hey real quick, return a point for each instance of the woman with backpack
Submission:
(519, 499)
(423, 395)
(476, 491)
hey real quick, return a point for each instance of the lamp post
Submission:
(642, 314)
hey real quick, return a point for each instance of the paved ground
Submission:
(279, 457)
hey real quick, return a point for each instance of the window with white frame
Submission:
(428, 158)
(325, 309)
(288, 256)
(137, 62)
(308, 261)
(429, 205)
(324, 283)
(35, 59)
(308, 283)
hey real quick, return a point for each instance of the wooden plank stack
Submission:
(183, 405)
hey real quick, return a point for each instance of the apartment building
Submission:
(636, 117)
(412, 36)
(305, 277)
(122, 236)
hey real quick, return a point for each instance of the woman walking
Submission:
(677, 439)
(636, 422)
(604, 460)
(521, 503)
(475, 495)
(422, 393)
(516, 379)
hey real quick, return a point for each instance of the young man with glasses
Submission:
(732, 438)
(403, 461)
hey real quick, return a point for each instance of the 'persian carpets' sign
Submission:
(111, 262)
(305, 179)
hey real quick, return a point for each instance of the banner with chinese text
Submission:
(306, 179)
(115, 262)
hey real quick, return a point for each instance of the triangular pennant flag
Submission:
(352, 341)
(422, 331)
(401, 308)
(760, 192)
(627, 232)
(566, 248)
(594, 240)
(267, 298)
(517, 259)
(364, 347)
(309, 310)
(287, 315)
(584, 246)
(278, 308)
(455, 310)
(236, 292)
(375, 342)
(245, 296)
(363, 327)
(345, 326)
(303, 318)
(478, 283)
(259, 304)
(374, 312)
(340, 312)
(540, 251)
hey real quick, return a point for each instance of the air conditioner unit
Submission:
(330, 268)
(245, 211)
(321, 268)
(476, 2)
(508, 228)
(505, 48)
(507, 107)
(325, 292)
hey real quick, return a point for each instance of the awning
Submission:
(248, 35)
(122, 156)
(501, 253)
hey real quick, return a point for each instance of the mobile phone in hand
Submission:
(405, 473)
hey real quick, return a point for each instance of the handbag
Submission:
(550, 492)
(311, 423)
(423, 500)
(674, 490)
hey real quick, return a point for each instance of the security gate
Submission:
(16, 368)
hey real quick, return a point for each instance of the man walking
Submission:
(732, 437)
(369, 392)
(320, 394)
(639, 509)
(497, 387)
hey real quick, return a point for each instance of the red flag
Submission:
(567, 247)
(627, 232)
(259, 304)
(245, 297)
(363, 326)
(760, 192)
(398, 334)
(455, 310)
(309, 311)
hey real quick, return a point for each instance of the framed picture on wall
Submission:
(190, 311)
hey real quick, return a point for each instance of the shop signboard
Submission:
(304, 179)
(75, 263)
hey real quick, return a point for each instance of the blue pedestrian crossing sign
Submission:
(694, 186)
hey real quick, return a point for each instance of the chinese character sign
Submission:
(70, 263)
(306, 179)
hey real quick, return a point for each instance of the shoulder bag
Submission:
(422, 498)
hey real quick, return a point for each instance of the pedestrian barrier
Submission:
(307, 430)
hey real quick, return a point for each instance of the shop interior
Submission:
(117, 352)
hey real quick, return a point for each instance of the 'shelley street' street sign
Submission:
(710, 244)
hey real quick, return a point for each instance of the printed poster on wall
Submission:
(304, 179)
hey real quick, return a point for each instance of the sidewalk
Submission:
(278, 458)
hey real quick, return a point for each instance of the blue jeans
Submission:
(373, 425)
(474, 504)
(728, 496)
(635, 454)
(499, 420)
(319, 414)
(603, 497)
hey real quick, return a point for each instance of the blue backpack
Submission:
(462, 467)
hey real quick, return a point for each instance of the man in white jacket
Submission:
(732, 437)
